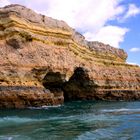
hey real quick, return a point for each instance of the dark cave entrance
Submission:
(54, 81)
(76, 88)
(78, 85)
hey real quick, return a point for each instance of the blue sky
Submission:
(114, 22)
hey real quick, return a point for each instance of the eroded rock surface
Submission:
(43, 61)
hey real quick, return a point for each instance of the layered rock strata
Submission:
(43, 61)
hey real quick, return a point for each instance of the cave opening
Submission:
(76, 88)
(78, 85)
(54, 81)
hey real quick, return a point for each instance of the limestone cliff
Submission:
(44, 61)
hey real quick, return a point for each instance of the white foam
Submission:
(16, 119)
(120, 110)
(45, 107)
(5, 138)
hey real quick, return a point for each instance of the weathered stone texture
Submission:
(43, 61)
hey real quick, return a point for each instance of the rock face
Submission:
(43, 61)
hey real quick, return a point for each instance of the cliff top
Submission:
(60, 27)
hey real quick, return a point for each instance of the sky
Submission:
(114, 22)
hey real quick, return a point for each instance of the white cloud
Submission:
(80, 14)
(112, 35)
(134, 50)
(84, 15)
(87, 16)
(132, 11)
(4, 3)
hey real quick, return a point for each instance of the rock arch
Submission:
(78, 87)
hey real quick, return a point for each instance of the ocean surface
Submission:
(81, 120)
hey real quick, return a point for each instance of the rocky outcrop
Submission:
(43, 61)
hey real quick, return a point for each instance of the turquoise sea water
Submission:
(88, 120)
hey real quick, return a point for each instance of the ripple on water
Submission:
(121, 111)
(73, 121)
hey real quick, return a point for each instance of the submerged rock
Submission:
(43, 61)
